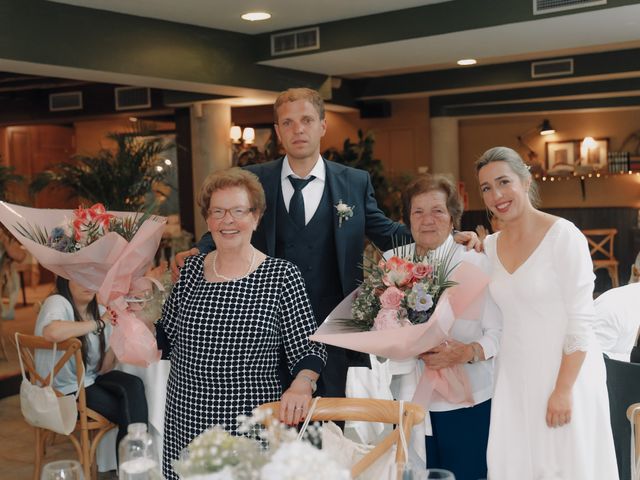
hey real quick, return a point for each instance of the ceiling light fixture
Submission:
(256, 16)
(467, 61)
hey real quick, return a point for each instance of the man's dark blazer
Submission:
(347, 185)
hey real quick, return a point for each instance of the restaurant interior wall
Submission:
(479, 134)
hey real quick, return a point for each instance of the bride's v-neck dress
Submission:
(547, 309)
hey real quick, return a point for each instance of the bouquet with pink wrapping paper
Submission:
(407, 340)
(87, 246)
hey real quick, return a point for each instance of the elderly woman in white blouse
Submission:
(456, 436)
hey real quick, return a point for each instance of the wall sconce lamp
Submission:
(544, 128)
(239, 135)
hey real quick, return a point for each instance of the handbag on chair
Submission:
(40, 405)
(346, 452)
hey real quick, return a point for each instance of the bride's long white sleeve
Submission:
(574, 268)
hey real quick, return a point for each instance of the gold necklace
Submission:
(229, 279)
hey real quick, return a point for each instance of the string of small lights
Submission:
(581, 176)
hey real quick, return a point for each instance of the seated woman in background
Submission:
(73, 311)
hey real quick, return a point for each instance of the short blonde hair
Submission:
(295, 94)
(232, 177)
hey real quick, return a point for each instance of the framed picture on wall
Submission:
(593, 153)
(560, 157)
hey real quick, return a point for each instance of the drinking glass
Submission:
(62, 470)
(439, 474)
(403, 471)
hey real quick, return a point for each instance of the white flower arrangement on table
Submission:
(215, 454)
(344, 211)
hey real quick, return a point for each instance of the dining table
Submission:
(155, 378)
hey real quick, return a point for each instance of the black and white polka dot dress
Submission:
(225, 343)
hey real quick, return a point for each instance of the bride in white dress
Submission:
(550, 412)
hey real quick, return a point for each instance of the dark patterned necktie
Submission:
(296, 205)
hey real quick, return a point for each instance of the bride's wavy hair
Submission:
(517, 165)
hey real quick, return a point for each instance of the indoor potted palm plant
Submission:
(120, 179)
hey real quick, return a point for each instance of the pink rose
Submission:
(386, 319)
(391, 298)
(420, 270)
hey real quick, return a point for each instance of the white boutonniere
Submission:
(345, 212)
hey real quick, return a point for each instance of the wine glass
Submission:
(440, 474)
(62, 470)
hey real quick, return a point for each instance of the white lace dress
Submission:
(547, 308)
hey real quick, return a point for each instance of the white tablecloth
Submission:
(155, 386)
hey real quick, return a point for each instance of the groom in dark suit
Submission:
(303, 224)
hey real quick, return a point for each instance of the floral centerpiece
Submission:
(272, 453)
(402, 290)
(103, 251)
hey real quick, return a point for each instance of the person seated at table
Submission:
(73, 311)
(617, 320)
(432, 208)
(226, 319)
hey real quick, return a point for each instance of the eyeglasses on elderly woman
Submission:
(236, 212)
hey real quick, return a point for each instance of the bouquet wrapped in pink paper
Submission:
(103, 251)
(406, 307)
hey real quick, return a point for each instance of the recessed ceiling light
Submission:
(467, 61)
(256, 16)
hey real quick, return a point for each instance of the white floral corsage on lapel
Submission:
(345, 212)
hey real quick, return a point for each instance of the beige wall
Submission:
(479, 134)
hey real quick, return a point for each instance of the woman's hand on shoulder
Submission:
(178, 262)
(295, 401)
(469, 239)
(559, 408)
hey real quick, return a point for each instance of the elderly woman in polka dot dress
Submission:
(226, 320)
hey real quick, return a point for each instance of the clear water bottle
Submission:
(137, 455)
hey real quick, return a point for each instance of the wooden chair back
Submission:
(365, 410)
(633, 415)
(601, 250)
(90, 427)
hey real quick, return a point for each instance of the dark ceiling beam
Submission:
(22, 108)
(417, 22)
(441, 105)
(585, 65)
(49, 33)
(542, 106)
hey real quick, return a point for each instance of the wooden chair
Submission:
(90, 427)
(601, 249)
(366, 410)
(633, 415)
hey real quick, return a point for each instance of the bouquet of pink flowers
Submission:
(402, 290)
(108, 252)
(407, 306)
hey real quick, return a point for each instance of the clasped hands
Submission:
(448, 354)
